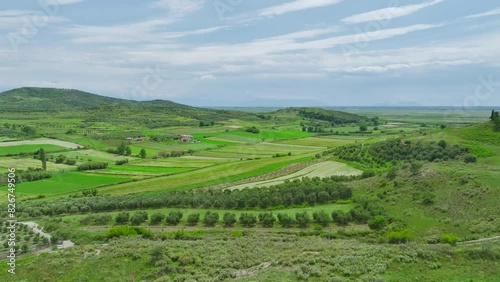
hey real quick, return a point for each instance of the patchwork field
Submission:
(323, 169)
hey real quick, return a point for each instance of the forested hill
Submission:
(32, 99)
(337, 117)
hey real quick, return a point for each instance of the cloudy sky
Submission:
(258, 52)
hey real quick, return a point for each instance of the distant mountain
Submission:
(50, 99)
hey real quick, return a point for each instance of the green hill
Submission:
(332, 116)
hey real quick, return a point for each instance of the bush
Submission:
(70, 162)
(399, 236)
(173, 218)
(156, 218)
(122, 218)
(229, 219)
(341, 217)
(138, 218)
(92, 166)
(267, 219)
(193, 219)
(285, 220)
(248, 220)
(128, 231)
(470, 159)
(451, 239)
(303, 219)
(377, 223)
(121, 162)
(211, 218)
(321, 218)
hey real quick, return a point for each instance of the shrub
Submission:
(341, 217)
(70, 162)
(399, 236)
(267, 219)
(193, 219)
(121, 162)
(156, 218)
(122, 218)
(138, 218)
(229, 219)
(248, 220)
(451, 239)
(285, 220)
(119, 231)
(211, 218)
(92, 166)
(321, 218)
(173, 218)
(303, 219)
(470, 158)
(377, 223)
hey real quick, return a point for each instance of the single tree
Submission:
(142, 154)
(43, 158)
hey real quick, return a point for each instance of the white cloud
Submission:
(179, 8)
(389, 13)
(296, 5)
(207, 77)
(487, 13)
(25, 19)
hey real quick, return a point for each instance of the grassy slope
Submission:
(205, 176)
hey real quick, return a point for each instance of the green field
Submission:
(14, 150)
(68, 182)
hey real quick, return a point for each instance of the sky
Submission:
(251, 53)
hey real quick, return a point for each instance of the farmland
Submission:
(217, 195)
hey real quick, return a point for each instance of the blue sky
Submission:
(256, 52)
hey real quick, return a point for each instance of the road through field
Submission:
(323, 169)
(41, 142)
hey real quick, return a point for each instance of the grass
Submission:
(67, 183)
(25, 163)
(205, 176)
(156, 169)
(14, 150)
(321, 170)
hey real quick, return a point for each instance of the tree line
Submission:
(291, 193)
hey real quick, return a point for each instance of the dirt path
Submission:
(41, 142)
(479, 241)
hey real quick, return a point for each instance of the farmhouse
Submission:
(186, 138)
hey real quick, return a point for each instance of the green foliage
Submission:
(43, 158)
(377, 223)
(92, 166)
(142, 153)
(229, 219)
(297, 192)
(285, 220)
(267, 219)
(248, 220)
(303, 219)
(119, 231)
(322, 218)
(156, 218)
(449, 238)
(122, 218)
(470, 158)
(399, 236)
(341, 217)
(138, 218)
(335, 117)
(193, 219)
(173, 218)
(121, 162)
(252, 129)
(211, 218)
